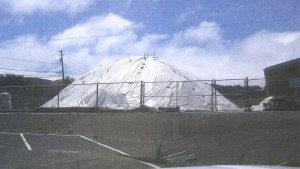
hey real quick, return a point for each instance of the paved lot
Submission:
(21, 150)
(216, 138)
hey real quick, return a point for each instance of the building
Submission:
(284, 79)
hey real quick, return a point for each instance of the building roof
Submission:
(282, 64)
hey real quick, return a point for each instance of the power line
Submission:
(76, 63)
(243, 23)
(71, 38)
(123, 34)
(23, 60)
(74, 68)
(27, 70)
(35, 75)
(54, 77)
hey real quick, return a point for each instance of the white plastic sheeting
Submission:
(187, 95)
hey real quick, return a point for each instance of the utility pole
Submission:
(61, 60)
(246, 84)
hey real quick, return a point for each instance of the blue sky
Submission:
(227, 31)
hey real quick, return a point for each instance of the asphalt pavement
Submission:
(29, 150)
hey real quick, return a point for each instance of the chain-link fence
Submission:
(29, 97)
(215, 95)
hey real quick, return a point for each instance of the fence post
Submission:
(212, 95)
(57, 96)
(215, 93)
(177, 84)
(23, 100)
(141, 95)
(97, 95)
(247, 93)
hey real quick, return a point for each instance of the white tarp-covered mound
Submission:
(190, 95)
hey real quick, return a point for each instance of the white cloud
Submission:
(114, 45)
(247, 57)
(264, 49)
(189, 12)
(206, 33)
(94, 28)
(201, 50)
(29, 7)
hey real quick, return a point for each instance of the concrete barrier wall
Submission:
(144, 125)
(110, 125)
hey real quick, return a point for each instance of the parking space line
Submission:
(151, 165)
(118, 151)
(106, 146)
(25, 141)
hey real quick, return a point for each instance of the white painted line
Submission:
(63, 152)
(118, 151)
(151, 165)
(2, 146)
(38, 134)
(63, 135)
(106, 146)
(26, 143)
(8, 133)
